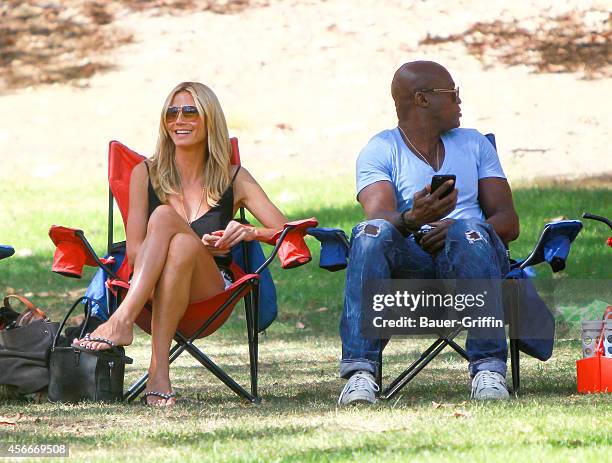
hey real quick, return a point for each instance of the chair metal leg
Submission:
(139, 386)
(220, 374)
(251, 305)
(460, 350)
(187, 344)
(379, 372)
(136, 389)
(513, 331)
(515, 365)
(426, 357)
(399, 382)
(254, 378)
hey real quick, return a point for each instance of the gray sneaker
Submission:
(489, 385)
(360, 388)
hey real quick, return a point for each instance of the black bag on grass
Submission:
(24, 348)
(78, 374)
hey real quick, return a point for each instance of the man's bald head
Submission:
(414, 76)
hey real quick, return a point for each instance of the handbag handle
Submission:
(29, 304)
(87, 316)
(31, 313)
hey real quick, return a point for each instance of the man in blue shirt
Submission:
(471, 225)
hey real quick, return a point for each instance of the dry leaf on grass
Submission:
(460, 414)
(565, 43)
(300, 326)
(10, 421)
(443, 405)
(372, 426)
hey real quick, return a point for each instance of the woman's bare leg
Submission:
(190, 274)
(163, 225)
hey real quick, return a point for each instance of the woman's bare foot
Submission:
(117, 331)
(159, 392)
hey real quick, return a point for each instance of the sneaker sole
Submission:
(492, 397)
(359, 400)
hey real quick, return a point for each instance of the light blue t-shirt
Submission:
(468, 155)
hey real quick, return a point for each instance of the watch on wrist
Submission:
(406, 226)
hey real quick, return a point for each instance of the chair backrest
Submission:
(121, 163)
(554, 243)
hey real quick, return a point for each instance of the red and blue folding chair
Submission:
(201, 318)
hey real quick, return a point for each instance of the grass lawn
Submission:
(298, 419)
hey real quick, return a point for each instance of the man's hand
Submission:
(428, 207)
(233, 234)
(433, 242)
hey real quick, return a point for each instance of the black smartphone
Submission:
(438, 180)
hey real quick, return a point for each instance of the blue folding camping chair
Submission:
(530, 323)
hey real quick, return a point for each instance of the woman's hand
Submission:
(210, 241)
(233, 234)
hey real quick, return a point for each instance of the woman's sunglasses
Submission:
(190, 113)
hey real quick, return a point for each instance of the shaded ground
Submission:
(431, 420)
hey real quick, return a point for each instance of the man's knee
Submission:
(373, 231)
(469, 231)
(472, 244)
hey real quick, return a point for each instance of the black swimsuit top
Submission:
(216, 218)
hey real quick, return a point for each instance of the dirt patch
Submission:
(303, 83)
(588, 182)
(176, 7)
(573, 42)
(43, 42)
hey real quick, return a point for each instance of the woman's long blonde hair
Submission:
(165, 176)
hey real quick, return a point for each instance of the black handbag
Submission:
(24, 349)
(76, 374)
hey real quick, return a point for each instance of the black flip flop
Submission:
(112, 350)
(163, 395)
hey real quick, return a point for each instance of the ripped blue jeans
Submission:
(378, 251)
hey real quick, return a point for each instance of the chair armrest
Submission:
(335, 248)
(73, 251)
(6, 251)
(553, 245)
(289, 245)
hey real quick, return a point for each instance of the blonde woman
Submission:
(178, 198)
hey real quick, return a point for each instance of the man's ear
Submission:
(420, 99)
